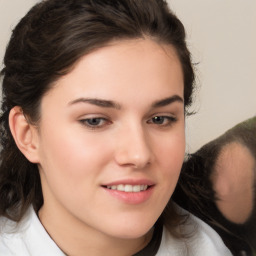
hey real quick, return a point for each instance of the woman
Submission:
(94, 99)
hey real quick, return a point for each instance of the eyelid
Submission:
(164, 114)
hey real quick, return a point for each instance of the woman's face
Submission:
(111, 140)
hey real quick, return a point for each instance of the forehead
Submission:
(126, 68)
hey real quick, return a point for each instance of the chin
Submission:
(132, 234)
(132, 230)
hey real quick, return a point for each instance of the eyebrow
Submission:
(167, 101)
(115, 105)
(97, 102)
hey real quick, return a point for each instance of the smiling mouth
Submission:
(129, 188)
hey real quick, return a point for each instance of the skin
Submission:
(133, 138)
(234, 181)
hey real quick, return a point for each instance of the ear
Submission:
(24, 134)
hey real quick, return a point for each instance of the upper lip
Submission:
(131, 182)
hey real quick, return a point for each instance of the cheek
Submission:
(171, 152)
(174, 160)
(70, 167)
(170, 159)
(72, 155)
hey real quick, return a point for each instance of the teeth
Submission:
(120, 187)
(136, 188)
(128, 188)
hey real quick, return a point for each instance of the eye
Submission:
(162, 120)
(95, 122)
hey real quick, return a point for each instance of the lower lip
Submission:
(131, 197)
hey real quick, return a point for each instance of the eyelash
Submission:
(101, 122)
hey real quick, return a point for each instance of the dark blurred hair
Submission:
(44, 46)
(195, 190)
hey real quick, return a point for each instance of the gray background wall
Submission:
(222, 39)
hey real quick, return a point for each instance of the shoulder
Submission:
(26, 238)
(206, 241)
(199, 240)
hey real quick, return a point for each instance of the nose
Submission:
(133, 148)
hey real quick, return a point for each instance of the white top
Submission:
(204, 241)
(30, 238)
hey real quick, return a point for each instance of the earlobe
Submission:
(24, 134)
